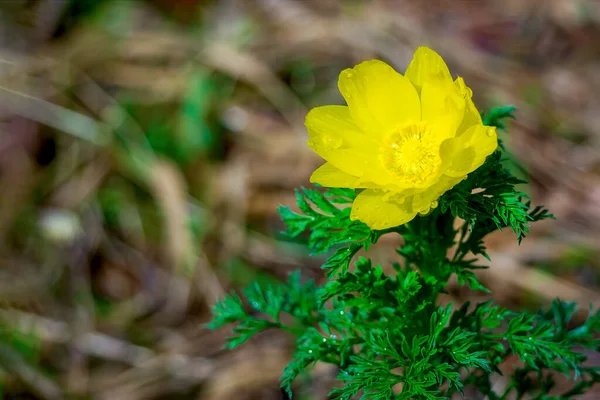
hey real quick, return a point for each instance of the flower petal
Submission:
(379, 97)
(334, 136)
(422, 202)
(371, 208)
(328, 175)
(468, 152)
(443, 106)
(471, 116)
(427, 66)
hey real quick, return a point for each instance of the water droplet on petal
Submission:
(349, 74)
(490, 132)
(466, 92)
(434, 204)
(331, 141)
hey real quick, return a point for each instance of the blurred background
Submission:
(145, 147)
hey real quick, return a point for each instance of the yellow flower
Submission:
(405, 140)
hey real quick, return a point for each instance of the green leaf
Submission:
(327, 219)
(496, 116)
(227, 310)
(194, 135)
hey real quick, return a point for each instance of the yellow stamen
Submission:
(410, 155)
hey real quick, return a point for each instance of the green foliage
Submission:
(488, 200)
(194, 134)
(183, 131)
(270, 302)
(383, 327)
(496, 116)
(28, 345)
(327, 219)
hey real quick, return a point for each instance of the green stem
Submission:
(295, 331)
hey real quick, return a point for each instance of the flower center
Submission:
(410, 155)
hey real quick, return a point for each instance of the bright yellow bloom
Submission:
(404, 139)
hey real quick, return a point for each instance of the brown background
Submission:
(119, 227)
